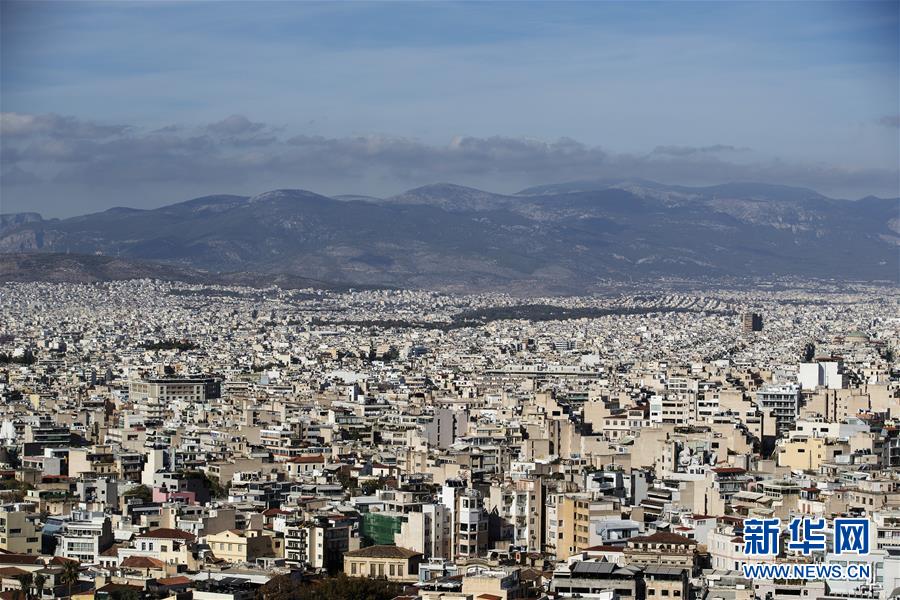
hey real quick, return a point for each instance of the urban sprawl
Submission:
(166, 440)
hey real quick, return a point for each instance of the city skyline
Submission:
(449, 300)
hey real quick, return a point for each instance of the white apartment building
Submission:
(784, 403)
(85, 537)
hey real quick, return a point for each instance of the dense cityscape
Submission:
(168, 440)
(450, 300)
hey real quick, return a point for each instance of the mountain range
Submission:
(560, 238)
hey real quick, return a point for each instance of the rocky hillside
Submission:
(554, 238)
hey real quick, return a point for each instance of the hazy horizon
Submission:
(350, 195)
(374, 99)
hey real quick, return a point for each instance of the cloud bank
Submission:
(58, 161)
(892, 121)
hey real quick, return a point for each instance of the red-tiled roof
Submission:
(604, 548)
(143, 562)
(19, 559)
(179, 580)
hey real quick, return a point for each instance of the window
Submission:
(353, 568)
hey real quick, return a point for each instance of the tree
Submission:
(330, 588)
(18, 488)
(25, 580)
(26, 359)
(211, 483)
(70, 573)
(391, 355)
(139, 491)
(39, 582)
(179, 345)
(370, 487)
(346, 481)
(809, 352)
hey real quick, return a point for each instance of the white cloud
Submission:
(239, 155)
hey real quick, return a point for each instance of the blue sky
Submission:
(145, 104)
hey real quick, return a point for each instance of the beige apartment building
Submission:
(573, 518)
(236, 546)
(802, 454)
(391, 562)
(661, 548)
(18, 535)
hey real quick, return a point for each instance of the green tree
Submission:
(370, 487)
(26, 359)
(212, 485)
(39, 582)
(809, 352)
(25, 581)
(346, 481)
(70, 573)
(179, 345)
(18, 488)
(140, 491)
(330, 588)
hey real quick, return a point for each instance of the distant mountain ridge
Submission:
(743, 190)
(553, 238)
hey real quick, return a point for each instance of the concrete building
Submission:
(783, 402)
(85, 537)
(390, 562)
(240, 546)
(18, 533)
